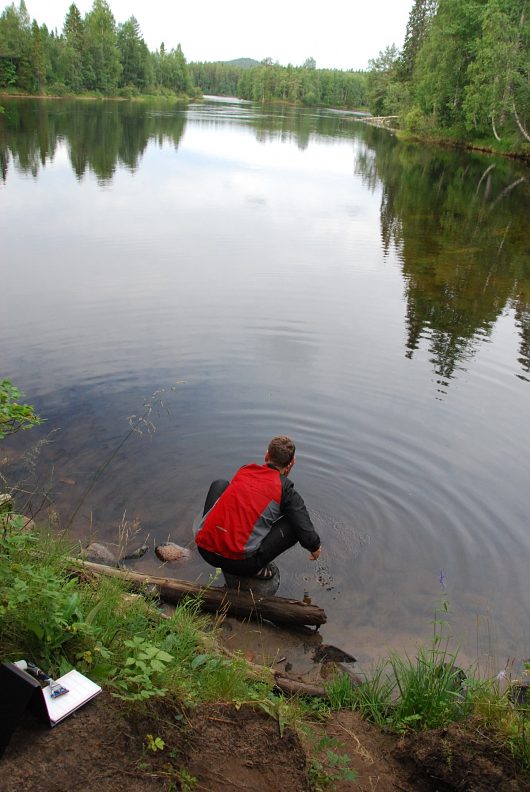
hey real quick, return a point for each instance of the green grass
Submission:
(59, 620)
(430, 691)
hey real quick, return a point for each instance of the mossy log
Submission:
(230, 601)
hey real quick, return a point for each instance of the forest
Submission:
(91, 54)
(462, 73)
(270, 81)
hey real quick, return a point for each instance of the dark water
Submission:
(294, 271)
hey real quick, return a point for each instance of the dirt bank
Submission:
(218, 747)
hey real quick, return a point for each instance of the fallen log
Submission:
(230, 601)
(295, 687)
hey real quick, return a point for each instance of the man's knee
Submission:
(219, 484)
(217, 488)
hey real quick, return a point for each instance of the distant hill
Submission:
(244, 63)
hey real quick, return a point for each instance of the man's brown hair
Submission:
(281, 450)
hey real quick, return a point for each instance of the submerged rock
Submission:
(169, 551)
(329, 653)
(134, 554)
(99, 554)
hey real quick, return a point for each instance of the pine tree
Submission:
(135, 56)
(102, 53)
(38, 58)
(420, 17)
(74, 48)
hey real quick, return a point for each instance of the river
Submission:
(248, 271)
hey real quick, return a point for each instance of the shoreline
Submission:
(447, 142)
(357, 113)
(95, 97)
(187, 703)
(434, 140)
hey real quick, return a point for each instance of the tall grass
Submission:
(59, 620)
(431, 691)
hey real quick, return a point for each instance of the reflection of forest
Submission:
(460, 225)
(300, 125)
(286, 123)
(457, 220)
(99, 135)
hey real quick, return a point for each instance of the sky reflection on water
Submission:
(302, 273)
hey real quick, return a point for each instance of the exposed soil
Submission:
(103, 747)
(462, 757)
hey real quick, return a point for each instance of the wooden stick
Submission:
(231, 601)
(296, 687)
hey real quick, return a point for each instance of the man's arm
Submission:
(294, 508)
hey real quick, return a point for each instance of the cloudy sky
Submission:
(342, 34)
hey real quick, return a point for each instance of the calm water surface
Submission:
(292, 271)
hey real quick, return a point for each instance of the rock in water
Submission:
(138, 553)
(169, 551)
(99, 554)
(328, 653)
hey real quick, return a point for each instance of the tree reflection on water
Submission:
(457, 220)
(459, 224)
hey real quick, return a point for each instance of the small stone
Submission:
(6, 504)
(169, 551)
(99, 554)
(329, 653)
(138, 553)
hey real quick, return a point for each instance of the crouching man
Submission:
(257, 516)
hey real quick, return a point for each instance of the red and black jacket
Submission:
(242, 517)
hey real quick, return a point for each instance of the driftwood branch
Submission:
(230, 601)
(295, 687)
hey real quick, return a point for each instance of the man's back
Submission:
(244, 514)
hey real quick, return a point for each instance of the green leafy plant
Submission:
(278, 708)
(14, 416)
(154, 744)
(39, 605)
(187, 781)
(137, 678)
(324, 775)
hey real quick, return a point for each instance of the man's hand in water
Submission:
(313, 556)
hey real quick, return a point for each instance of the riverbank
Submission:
(519, 151)
(522, 152)
(218, 746)
(179, 712)
(91, 96)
